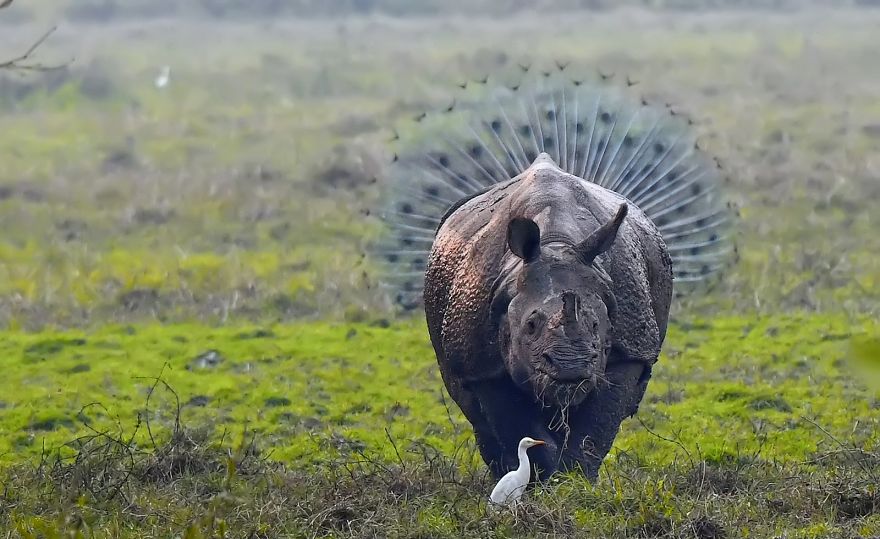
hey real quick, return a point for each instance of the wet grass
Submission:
(344, 430)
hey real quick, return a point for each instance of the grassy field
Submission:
(193, 345)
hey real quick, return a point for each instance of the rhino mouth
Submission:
(565, 368)
(563, 392)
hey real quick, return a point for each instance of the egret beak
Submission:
(539, 442)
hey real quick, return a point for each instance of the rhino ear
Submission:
(601, 239)
(524, 238)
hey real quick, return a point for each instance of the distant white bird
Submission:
(511, 487)
(164, 77)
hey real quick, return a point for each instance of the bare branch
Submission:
(21, 62)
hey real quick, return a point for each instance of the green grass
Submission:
(733, 400)
(763, 380)
(146, 231)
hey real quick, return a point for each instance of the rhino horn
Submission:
(524, 238)
(570, 308)
(601, 239)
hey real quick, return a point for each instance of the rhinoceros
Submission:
(547, 299)
(540, 224)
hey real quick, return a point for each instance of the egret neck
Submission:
(524, 472)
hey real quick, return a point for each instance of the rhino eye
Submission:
(595, 325)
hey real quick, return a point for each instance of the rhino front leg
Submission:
(487, 444)
(596, 422)
(507, 416)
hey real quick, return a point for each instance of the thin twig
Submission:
(860, 461)
(19, 62)
(156, 381)
(396, 452)
(665, 439)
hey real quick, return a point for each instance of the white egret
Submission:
(511, 487)
(164, 77)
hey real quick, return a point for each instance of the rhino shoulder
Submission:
(463, 267)
(641, 273)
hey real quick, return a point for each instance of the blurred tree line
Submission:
(109, 9)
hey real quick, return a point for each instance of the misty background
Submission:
(104, 10)
(218, 158)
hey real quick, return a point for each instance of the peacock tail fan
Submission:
(593, 127)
